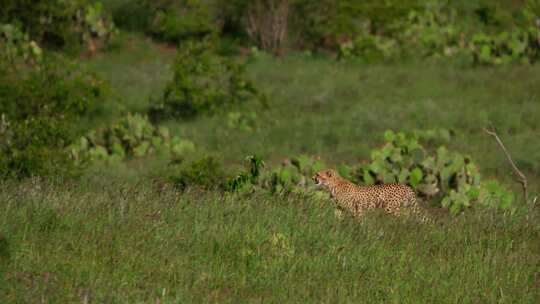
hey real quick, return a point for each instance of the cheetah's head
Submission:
(326, 177)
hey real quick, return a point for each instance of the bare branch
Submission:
(267, 23)
(522, 179)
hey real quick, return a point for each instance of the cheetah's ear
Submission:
(329, 173)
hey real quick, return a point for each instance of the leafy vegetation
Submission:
(450, 176)
(203, 82)
(58, 23)
(174, 20)
(204, 173)
(39, 111)
(435, 33)
(16, 48)
(131, 136)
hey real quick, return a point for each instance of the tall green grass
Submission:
(134, 243)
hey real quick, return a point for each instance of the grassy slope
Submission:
(116, 241)
(137, 68)
(340, 111)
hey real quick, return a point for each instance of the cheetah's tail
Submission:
(422, 214)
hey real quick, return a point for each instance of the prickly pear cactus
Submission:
(449, 176)
(294, 174)
(131, 136)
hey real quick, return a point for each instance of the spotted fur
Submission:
(394, 199)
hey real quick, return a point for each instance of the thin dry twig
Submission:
(522, 179)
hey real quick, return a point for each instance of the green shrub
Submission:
(57, 88)
(369, 48)
(34, 146)
(329, 23)
(206, 173)
(60, 23)
(246, 178)
(130, 15)
(131, 136)
(505, 47)
(175, 21)
(532, 10)
(203, 83)
(243, 121)
(41, 109)
(16, 48)
(434, 32)
(293, 176)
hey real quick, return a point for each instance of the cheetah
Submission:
(394, 199)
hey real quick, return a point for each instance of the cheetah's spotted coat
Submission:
(394, 199)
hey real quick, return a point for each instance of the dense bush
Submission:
(16, 48)
(177, 20)
(131, 136)
(328, 23)
(129, 15)
(203, 82)
(60, 23)
(206, 173)
(40, 110)
(436, 32)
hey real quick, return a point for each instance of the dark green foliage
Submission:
(206, 173)
(294, 175)
(331, 22)
(34, 146)
(520, 45)
(250, 176)
(60, 23)
(532, 10)
(40, 111)
(204, 82)
(5, 256)
(435, 32)
(16, 48)
(175, 21)
(130, 15)
(56, 88)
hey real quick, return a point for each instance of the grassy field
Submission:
(130, 243)
(115, 236)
